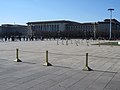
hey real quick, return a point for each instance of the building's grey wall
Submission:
(48, 27)
(14, 30)
(103, 27)
(62, 26)
(42, 29)
(29, 32)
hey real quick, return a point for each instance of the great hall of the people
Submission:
(63, 28)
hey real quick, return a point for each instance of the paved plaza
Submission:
(67, 58)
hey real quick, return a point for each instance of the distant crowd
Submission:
(19, 38)
(33, 38)
(29, 38)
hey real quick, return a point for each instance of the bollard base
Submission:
(17, 60)
(86, 68)
(47, 64)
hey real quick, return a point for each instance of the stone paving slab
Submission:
(66, 72)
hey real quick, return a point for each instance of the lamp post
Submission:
(110, 21)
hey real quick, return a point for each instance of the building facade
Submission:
(63, 29)
(13, 30)
(59, 28)
(71, 29)
(103, 29)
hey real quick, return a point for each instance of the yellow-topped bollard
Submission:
(87, 68)
(17, 56)
(46, 61)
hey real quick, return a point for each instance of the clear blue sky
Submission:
(23, 11)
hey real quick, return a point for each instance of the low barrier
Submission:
(47, 63)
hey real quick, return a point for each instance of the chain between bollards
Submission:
(17, 56)
(46, 60)
(87, 68)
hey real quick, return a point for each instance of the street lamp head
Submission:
(110, 9)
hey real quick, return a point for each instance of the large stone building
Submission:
(13, 30)
(63, 28)
(71, 29)
(52, 28)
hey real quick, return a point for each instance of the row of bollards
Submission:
(18, 60)
(86, 68)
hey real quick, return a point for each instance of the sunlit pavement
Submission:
(66, 73)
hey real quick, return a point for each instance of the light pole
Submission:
(110, 21)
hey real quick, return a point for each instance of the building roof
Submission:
(57, 21)
(12, 25)
(113, 20)
(107, 21)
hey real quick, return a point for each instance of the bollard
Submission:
(87, 68)
(46, 62)
(17, 56)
